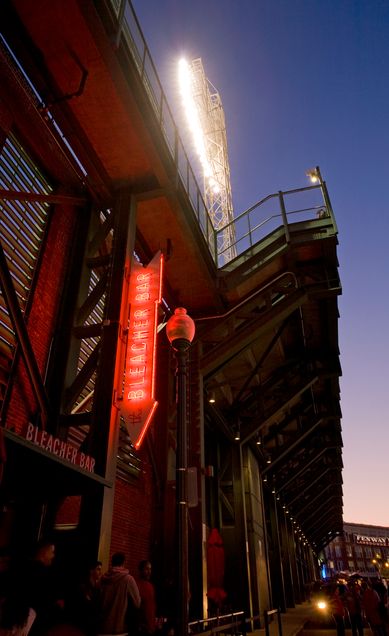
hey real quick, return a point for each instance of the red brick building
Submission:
(361, 548)
(94, 181)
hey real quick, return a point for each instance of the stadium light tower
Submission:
(205, 116)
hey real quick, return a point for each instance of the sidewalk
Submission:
(292, 621)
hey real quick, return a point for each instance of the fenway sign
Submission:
(366, 540)
(138, 404)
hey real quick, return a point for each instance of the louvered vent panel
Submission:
(22, 228)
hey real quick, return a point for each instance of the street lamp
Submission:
(180, 330)
(314, 175)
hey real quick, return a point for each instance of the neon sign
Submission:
(139, 404)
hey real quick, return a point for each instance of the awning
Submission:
(30, 468)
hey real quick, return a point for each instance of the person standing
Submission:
(338, 607)
(118, 592)
(43, 588)
(354, 607)
(371, 604)
(83, 601)
(147, 614)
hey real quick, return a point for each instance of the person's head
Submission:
(144, 568)
(45, 552)
(118, 559)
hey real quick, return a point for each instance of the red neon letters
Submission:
(138, 405)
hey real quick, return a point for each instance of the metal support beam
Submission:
(260, 362)
(304, 468)
(292, 446)
(23, 339)
(317, 510)
(311, 501)
(310, 485)
(33, 197)
(278, 411)
(319, 523)
(230, 347)
(104, 433)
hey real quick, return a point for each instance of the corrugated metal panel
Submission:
(22, 227)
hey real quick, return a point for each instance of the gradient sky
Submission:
(305, 83)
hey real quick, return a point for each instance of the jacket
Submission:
(118, 588)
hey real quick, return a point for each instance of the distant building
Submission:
(362, 548)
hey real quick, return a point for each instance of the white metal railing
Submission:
(128, 28)
(252, 225)
(279, 210)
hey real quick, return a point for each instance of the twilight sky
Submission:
(306, 83)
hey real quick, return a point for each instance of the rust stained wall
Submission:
(41, 321)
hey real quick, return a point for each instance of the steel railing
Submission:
(236, 623)
(252, 225)
(279, 210)
(128, 28)
(233, 623)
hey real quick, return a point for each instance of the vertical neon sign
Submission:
(139, 404)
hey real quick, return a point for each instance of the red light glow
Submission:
(139, 404)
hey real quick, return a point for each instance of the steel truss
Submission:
(217, 188)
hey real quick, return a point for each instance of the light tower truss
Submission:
(205, 115)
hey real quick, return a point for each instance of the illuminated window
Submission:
(68, 514)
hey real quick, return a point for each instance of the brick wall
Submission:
(133, 518)
(41, 321)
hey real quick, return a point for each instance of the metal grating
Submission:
(22, 229)
(129, 464)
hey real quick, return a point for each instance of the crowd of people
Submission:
(35, 602)
(359, 603)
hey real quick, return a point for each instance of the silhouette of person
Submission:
(147, 614)
(118, 590)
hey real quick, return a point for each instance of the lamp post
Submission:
(377, 563)
(180, 330)
(314, 175)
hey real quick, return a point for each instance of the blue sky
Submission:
(305, 83)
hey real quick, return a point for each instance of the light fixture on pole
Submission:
(180, 330)
(314, 175)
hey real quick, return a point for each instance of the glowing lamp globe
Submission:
(180, 326)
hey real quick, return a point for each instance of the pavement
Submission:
(300, 620)
(292, 621)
